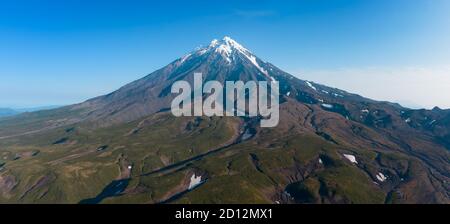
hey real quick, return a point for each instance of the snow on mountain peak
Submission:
(232, 43)
(213, 43)
(229, 49)
(227, 38)
(226, 46)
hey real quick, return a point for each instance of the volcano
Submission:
(330, 146)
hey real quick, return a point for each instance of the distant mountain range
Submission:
(330, 146)
(6, 112)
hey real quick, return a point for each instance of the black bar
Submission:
(127, 214)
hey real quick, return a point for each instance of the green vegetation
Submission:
(253, 171)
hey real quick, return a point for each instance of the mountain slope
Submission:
(329, 147)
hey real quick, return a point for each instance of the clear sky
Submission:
(63, 52)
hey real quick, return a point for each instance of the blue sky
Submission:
(63, 52)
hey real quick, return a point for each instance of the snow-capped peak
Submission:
(229, 50)
(226, 46)
(233, 44)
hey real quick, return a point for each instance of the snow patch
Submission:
(214, 43)
(351, 158)
(234, 44)
(365, 111)
(202, 51)
(381, 177)
(326, 105)
(320, 161)
(184, 58)
(252, 59)
(408, 120)
(225, 51)
(195, 181)
(288, 93)
(311, 85)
